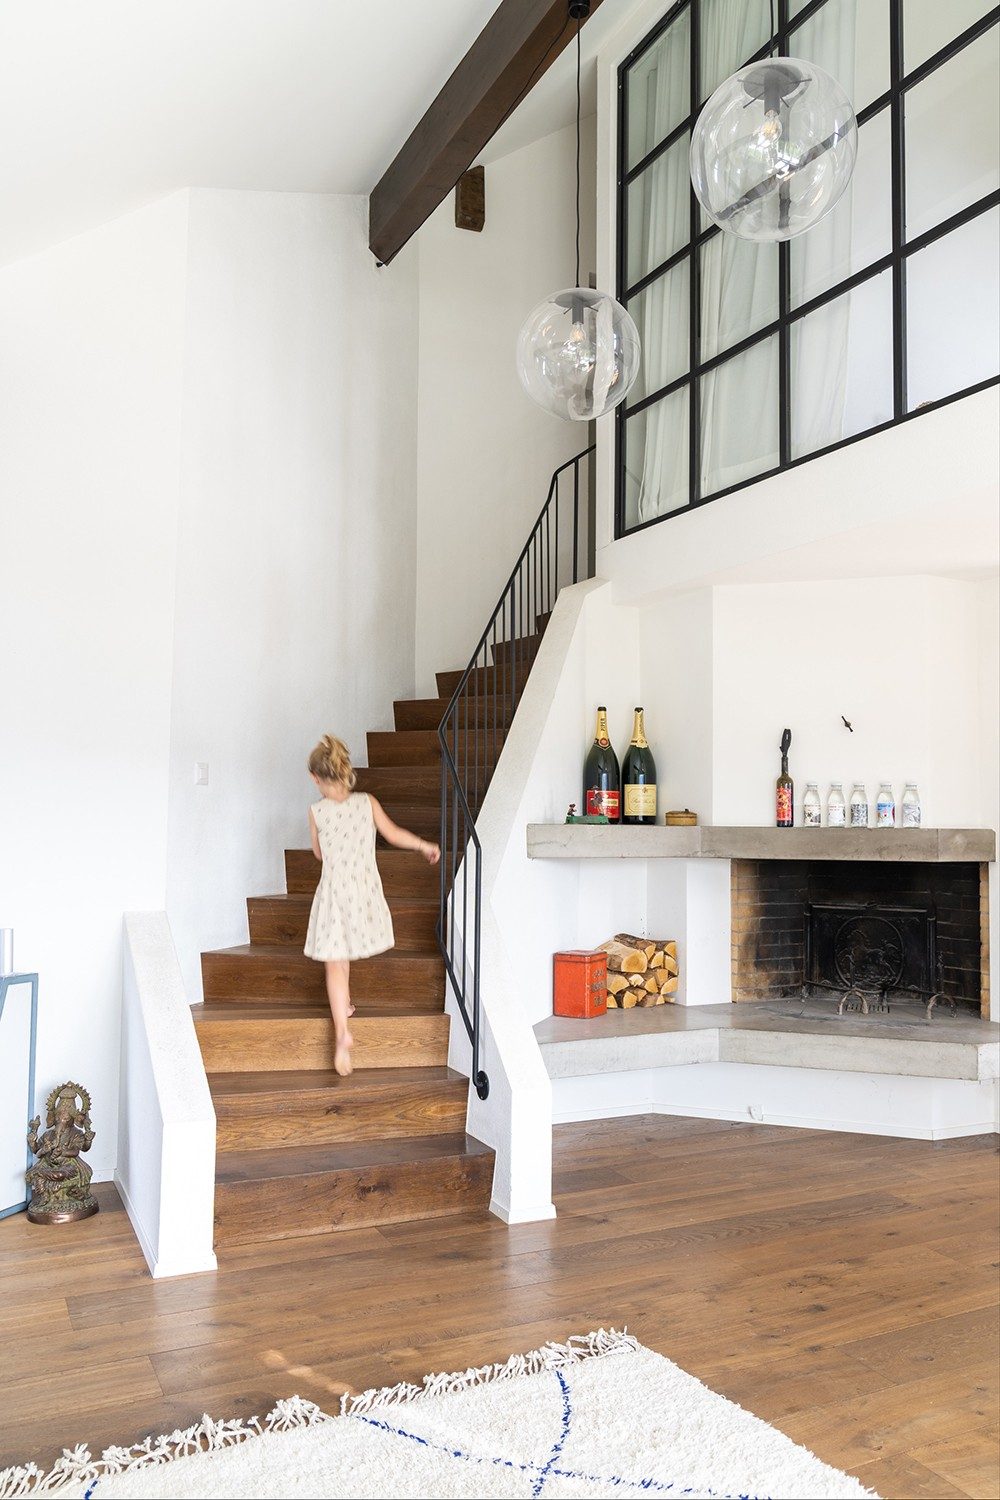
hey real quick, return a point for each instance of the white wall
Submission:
(486, 452)
(90, 358)
(207, 445)
(896, 657)
(295, 576)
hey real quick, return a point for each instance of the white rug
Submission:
(600, 1416)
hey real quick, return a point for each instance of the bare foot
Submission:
(350, 1010)
(342, 1064)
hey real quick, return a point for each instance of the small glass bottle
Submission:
(812, 811)
(911, 806)
(836, 807)
(885, 806)
(859, 805)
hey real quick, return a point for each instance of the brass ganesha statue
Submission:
(59, 1179)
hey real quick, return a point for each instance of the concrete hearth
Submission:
(778, 1062)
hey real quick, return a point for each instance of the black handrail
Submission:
(479, 714)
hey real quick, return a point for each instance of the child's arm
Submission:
(314, 836)
(401, 838)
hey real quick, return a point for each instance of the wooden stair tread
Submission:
(311, 1161)
(320, 1081)
(265, 952)
(303, 900)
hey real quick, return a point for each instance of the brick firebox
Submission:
(771, 897)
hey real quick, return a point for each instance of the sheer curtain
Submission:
(739, 411)
(664, 320)
(739, 290)
(819, 387)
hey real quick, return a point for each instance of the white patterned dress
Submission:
(349, 917)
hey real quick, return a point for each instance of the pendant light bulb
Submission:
(578, 351)
(774, 149)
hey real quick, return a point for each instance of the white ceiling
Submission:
(108, 104)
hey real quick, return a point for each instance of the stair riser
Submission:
(269, 1045)
(404, 747)
(393, 982)
(260, 1124)
(506, 681)
(402, 873)
(428, 713)
(282, 1208)
(400, 784)
(278, 922)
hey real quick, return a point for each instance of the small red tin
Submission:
(580, 983)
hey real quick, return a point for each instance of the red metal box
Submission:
(580, 983)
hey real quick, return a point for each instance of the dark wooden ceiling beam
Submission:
(519, 43)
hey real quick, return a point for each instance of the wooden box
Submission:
(580, 983)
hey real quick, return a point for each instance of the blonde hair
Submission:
(330, 760)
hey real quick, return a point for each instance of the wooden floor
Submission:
(842, 1287)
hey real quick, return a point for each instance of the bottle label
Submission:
(603, 802)
(911, 814)
(859, 814)
(784, 806)
(640, 800)
(836, 815)
(811, 817)
(885, 813)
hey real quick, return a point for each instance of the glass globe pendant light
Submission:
(773, 149)
(578, 351)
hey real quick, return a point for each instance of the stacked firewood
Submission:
(641, 971)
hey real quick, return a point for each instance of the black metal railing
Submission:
(559, 551)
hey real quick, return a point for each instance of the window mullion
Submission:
(694, 280)
(898, 189)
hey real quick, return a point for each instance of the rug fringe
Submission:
(548, 1357)
(78, 1467)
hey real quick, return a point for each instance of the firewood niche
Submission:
(641, 971)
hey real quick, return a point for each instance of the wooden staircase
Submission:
(299, 1150)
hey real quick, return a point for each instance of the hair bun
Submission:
(331, 761)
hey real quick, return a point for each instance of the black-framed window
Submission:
(758, 357)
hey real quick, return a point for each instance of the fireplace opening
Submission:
(861, 936)
(868, 955)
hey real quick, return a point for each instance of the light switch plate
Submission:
(201, 773)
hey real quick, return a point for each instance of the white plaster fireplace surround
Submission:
(721, 670)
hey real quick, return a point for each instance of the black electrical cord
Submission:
(577, 280)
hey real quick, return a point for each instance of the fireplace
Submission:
(865, 935)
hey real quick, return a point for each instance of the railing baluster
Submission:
(531, 591)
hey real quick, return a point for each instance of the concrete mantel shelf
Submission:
(615, 841)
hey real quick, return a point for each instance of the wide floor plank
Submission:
(842, 1287)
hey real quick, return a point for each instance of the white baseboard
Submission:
(529, 1215)
(915, 1108)
(807, 1122)
(160, 1270)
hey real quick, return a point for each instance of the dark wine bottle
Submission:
(601, 775)
(639, 777)
(785, 788)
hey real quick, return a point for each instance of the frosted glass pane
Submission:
(929, 25)
(739, 418)
(656, 459)
(659, 216)
(739, 291)
(662, 313)
(841, 374)
(731, 32)
(850, 40)
(659, 90)
(953, 311)
(859, 230)
(953, 135)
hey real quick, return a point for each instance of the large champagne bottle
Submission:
(601, 775)
(639, 777)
